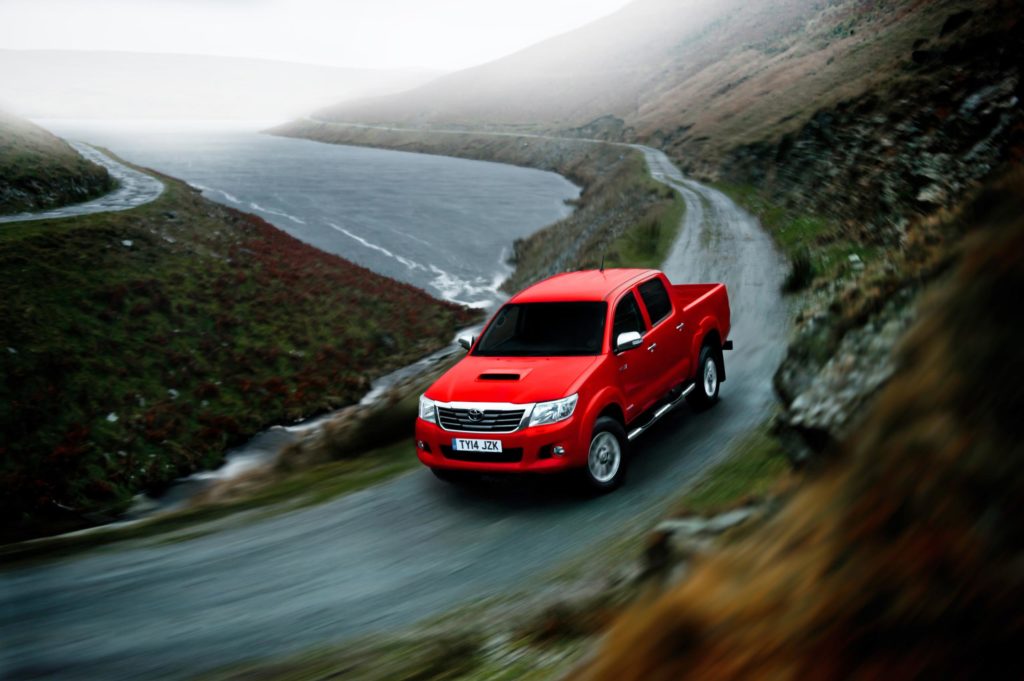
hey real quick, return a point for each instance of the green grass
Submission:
(802, 236)
(646, 245)
(756, 465)
(137, 347)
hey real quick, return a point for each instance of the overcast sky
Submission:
(423, 34)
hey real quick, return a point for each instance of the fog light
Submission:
(423, 445)
(558, 450)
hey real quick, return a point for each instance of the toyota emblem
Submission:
(475, 414)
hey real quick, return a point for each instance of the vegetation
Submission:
(39, 170)
(814, 245)
(755, 466)
(136, 347)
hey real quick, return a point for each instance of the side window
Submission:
(655, 299)
(627, 317)
(504, 326)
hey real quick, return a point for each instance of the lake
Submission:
(443, 224)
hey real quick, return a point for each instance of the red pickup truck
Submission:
(571, 370)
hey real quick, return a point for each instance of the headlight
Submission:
(553, 412)
(427, 412)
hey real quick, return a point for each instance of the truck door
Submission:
(633, 365)
(664, 342)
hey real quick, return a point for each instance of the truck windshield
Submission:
(544, 329)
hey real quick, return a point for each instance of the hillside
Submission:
(94, 84)
(138, 346)
(900, 561)
(696, 78)
(39, 170)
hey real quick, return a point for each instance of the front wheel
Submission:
(606, 459)
(705, 393)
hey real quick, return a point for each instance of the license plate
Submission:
(463, 445)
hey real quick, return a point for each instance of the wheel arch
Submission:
(710, 336)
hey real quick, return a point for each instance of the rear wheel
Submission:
(606, 458)
(705, 393)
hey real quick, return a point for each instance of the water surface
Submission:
(443, 224)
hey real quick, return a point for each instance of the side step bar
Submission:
(662, 410)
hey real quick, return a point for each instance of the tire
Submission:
(605, 468)
(705, 392)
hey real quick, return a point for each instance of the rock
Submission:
(832, 401)
(693, 526)
(173, 393)
(127, 243)
(934, 193)
(111, 417)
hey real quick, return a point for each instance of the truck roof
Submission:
(585, 285)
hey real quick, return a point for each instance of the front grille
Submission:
(487, 421)
(508, 455)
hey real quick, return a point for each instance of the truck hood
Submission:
(511, 379)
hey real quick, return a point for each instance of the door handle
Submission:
(650, 348)
(680, 325)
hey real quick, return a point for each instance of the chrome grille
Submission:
(479, 420)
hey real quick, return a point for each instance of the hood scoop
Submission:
(503, 375)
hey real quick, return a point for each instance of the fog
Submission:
(75, 58)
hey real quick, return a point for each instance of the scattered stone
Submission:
(173, 393)
(111, 417)
(12, 350)
(693, 526)
(127, 243)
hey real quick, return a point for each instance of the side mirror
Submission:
(628, 341)
(466, 341)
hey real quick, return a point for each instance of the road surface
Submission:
(133, 190)
(412, 547)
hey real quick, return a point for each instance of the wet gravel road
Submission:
(134, 189)
(409, 548)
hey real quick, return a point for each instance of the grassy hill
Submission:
(136, 347)
(39, 170)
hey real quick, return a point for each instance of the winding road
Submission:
(134, 189)
(388, 556)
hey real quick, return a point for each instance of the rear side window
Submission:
(627, 317)
(655, 299)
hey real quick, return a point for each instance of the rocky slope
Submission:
(899, 561)
(39, 170)
(881, 170)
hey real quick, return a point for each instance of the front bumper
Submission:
(529, 450)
